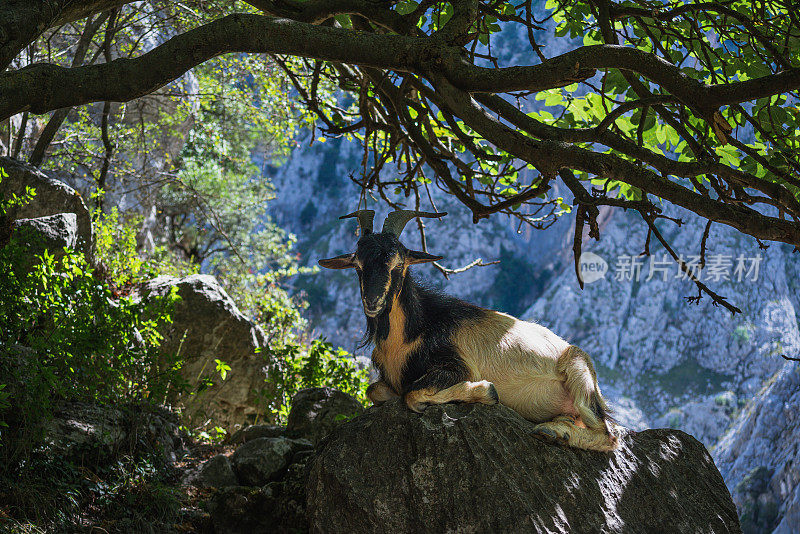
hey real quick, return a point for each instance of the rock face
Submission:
(759, 457)
(208, 326)
(81, 431)
(475, 468)
(52, 197)
(317, 411)
(262, 460)
(51, 233)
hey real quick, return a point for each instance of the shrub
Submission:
(116, 249)
(296, 366)
(65, 337)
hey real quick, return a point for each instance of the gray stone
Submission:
(278, 507)
(758, 456)
(77, 428)
(262, 460)
(317, 411)
(208, 326)
(216, 472)
(51, 233)
(475, 468)
(249, 433)
(52, 197)
(80, 430)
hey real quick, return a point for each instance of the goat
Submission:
(431, 348)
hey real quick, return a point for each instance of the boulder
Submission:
(317, 411)
(51, 233)
(52, 197)
(207, 326)
(262, 460)
(80, 430)
(475, 468)
(249, 433)
(216, 472)
(279, 507)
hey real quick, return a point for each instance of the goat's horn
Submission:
(365, 218)
(396, 220)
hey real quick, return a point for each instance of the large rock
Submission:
(216, 472)
(475, 468)
(279, 507)
(83, 431)
(263, 460)
(208, 326)
(758, 457)
(317, 411)
(52, 197)
(51, 233)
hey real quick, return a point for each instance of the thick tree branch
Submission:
(44, 87)
(22, 22)
(550, 156)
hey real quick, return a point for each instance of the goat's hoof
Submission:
(553, 435)
(418, 407)
(566, 419)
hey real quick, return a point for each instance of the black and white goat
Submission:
(431, 348)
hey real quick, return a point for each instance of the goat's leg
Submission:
(483, 392)
(447, 384)
(564, 429)
(380, 392)
(580, 380)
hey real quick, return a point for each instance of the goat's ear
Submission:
(415, 256)
(345, 261)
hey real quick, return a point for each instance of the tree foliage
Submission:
(693, 103)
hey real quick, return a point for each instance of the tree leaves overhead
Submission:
(507, 105)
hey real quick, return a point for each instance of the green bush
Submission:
(296, 366)
(64, 336)
(116, 250)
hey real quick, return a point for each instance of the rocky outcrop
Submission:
(52, 197)
(52, 233)
(207, 326)
(759, 457)
(475, 468)
(263, 460)
(317, 411)
(84, 432)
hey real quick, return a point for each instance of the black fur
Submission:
(429, 314)
(435, 317)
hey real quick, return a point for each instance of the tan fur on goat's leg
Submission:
(380, 392)
(580, 379)
(483, 392)
(564, 430)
